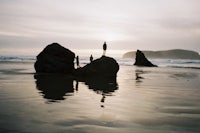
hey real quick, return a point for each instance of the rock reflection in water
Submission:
(103, 86)
(138, 76)
(54, 86)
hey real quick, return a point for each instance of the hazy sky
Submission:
(29, 25)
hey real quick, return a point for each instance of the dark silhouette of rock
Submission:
(141, 60)
(55, 59)
(54, 65)
(104, 67)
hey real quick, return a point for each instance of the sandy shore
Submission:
(145, 100)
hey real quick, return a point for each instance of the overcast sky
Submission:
(85, 24)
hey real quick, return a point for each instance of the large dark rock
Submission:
(141, 60)
(55, 59)
(103, 67)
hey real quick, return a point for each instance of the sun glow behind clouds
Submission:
(98, 52)
(112, 36)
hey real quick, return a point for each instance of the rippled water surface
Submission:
(142, 100)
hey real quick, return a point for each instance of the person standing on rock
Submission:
(104, 48)
(76, 85)
(77, 61)
(91, 58)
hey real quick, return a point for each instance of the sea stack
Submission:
(141, 60)
(55, 59)
(102, 67)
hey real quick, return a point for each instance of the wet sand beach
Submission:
(143, 100)
(55, 55)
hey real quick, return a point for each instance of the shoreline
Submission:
(160, 96)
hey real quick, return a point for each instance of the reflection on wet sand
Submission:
(138, 76)
(55, 87)
(103, 86)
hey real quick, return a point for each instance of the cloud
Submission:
(130, 23)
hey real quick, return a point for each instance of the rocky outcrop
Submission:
(55, 59)
(55, 74)
(104, 67)
(167, 54)
(141, 60)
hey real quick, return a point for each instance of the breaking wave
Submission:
(175, 63)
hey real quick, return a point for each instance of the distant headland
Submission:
(167, 54)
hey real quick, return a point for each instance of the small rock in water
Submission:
(141, 60)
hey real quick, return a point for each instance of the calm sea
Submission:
(142, 100)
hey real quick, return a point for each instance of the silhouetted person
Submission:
(77, 61)
(91, 58)
(76, 85)
(104, 48)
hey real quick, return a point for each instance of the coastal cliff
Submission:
(168, 54)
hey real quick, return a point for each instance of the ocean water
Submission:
(143, 100)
